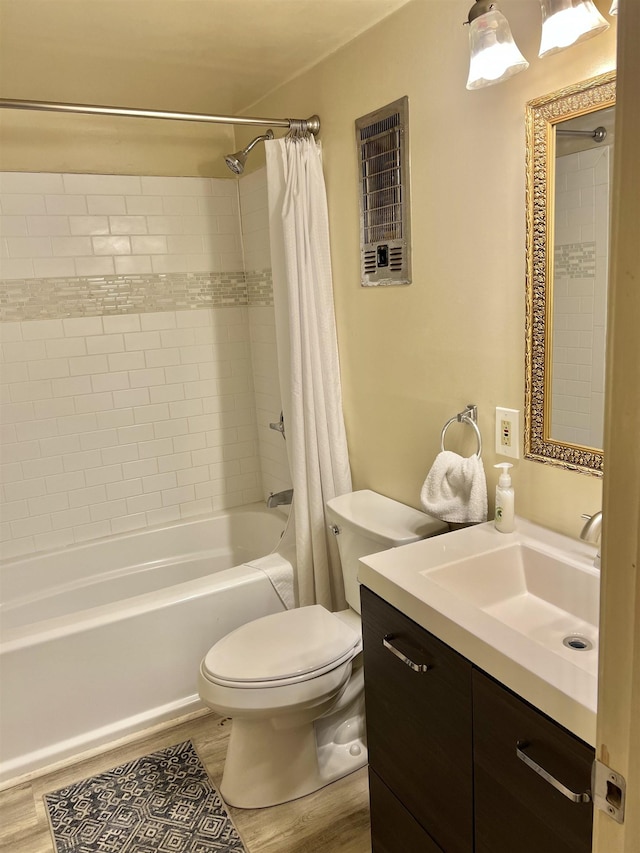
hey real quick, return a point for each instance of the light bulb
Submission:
(567, 22)
(494, 54)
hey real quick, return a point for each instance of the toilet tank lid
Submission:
(384, 519)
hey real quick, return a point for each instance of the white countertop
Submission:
(560, 682)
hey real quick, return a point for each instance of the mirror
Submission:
(569, 166)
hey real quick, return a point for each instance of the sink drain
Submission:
(577, 643)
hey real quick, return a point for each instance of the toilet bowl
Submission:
(293, 683)
(275, 677)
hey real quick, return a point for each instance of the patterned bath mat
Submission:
(162, 803)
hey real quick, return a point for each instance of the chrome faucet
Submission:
(591, 532)
(280, 498)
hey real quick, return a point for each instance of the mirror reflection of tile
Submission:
(580, 295)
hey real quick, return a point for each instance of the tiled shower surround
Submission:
(139, 370)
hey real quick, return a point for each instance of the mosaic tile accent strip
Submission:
(575, 260)
(260, 288)
(96, 296)
(163, 801)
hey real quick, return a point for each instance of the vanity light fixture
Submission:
(494, 54)
(614, 8)
(567, 22)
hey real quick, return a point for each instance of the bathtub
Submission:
(104, 639)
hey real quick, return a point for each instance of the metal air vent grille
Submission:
(384, 195)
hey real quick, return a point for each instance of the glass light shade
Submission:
(567, 22)
(614, 8)
(494, 54)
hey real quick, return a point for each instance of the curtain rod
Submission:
(598, 134)
(311, 124)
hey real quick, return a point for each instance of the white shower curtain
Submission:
(308, 360)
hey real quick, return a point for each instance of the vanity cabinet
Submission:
(443, 739)
(392, 826)
(419, 732)
(517, 808)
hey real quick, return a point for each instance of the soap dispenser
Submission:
(505, 502)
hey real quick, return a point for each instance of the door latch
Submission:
(609, 790)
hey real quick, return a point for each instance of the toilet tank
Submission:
(365, 522)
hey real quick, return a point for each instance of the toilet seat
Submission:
(281, 649)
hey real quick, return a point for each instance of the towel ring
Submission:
(467, 418)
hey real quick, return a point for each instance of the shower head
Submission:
(236, 161)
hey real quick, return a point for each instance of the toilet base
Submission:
(282, 758)
(266, 765)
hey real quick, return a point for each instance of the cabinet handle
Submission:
(416, 667)
(567, 792)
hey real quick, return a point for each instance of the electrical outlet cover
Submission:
(508, 432)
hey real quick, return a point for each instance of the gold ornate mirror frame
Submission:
(542, 115)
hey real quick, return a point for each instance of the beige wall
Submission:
(412, 357)
(47, 142)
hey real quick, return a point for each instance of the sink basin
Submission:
(552, 601)
(522, 606)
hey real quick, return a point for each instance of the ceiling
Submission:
(218, 56)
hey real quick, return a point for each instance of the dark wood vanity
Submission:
(457, 762)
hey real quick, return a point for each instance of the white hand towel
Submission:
(456, 489)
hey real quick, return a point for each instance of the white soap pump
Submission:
(505, 500)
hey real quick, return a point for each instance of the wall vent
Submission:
(382, 140)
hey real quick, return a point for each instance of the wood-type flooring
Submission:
(332, 820)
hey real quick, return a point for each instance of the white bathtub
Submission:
(104, 639)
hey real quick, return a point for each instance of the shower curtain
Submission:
(308, 360)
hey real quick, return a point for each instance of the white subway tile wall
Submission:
(120, 421)
(274, 465)
(88, 450)
(63, 225)
(580, 287)
(255, 220)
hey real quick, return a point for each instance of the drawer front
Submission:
(393, 829)
(516, 808)
(419, 723)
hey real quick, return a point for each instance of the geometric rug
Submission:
(162, 803)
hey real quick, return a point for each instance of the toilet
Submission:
(292, 682)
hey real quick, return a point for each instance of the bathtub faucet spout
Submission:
(280, 498)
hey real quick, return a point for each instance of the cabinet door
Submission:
(419, 724)
(515, 807)
(393, 829)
